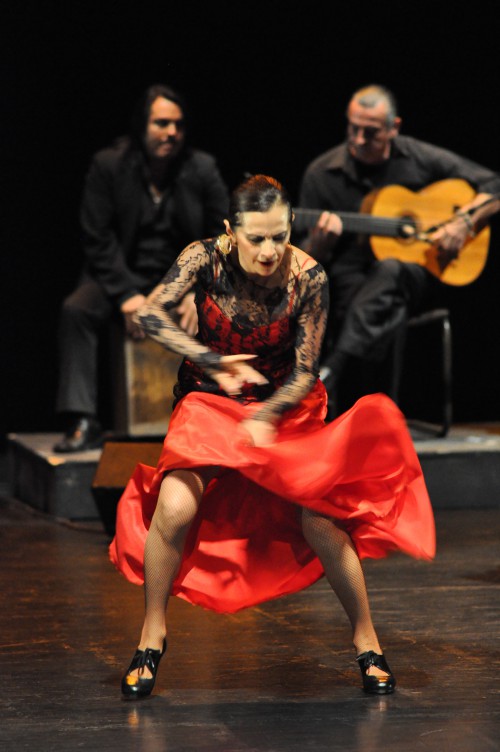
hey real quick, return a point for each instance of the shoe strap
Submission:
(371, 658)
(148, 658)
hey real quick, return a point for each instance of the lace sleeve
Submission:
(311, 326)
(156, 316)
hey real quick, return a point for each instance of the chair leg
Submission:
(442, 316)
(447, 376)
(398, 349)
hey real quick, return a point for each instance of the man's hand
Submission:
(452, 236)
(324, 236)
(128, 308)
(329, 223)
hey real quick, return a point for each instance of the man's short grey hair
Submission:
(370, 96)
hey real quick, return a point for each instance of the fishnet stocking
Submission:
(177, 505)
(178, 501)
(343, 571)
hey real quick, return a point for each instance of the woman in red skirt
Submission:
(254, 495)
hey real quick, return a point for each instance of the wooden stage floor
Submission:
(280, 677)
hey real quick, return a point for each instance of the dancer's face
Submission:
(261, 240)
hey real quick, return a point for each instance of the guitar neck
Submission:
(406, 234)
(364, 224)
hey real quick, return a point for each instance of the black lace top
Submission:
(283, 326)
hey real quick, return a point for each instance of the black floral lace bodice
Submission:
(282, 326)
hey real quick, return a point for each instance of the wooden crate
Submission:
(144, 375)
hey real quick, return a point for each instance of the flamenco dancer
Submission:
(232, 516)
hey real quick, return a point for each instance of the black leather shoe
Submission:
(84, 433)
(376, 685)
(137, 687)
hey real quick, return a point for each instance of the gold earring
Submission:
(223, 244)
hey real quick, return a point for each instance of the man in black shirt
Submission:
(371, 300)
(145, 198)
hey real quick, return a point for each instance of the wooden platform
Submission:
(462, 470)
(58, 484)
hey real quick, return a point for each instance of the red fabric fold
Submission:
(246, 545)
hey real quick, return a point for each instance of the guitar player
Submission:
(371, 299)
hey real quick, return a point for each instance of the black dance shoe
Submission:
(376, 685)
(85, 433)
(136, 687)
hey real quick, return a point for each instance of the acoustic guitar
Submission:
(399, 223)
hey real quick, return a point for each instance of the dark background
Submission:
(268, 84)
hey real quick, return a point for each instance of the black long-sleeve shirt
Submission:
(335, 181)
(129, 242)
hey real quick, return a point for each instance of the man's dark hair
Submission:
(140, 114)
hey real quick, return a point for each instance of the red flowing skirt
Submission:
(245, 545)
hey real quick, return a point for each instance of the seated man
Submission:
(372, 300)
(145, 198)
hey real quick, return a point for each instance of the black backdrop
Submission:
(268, 83)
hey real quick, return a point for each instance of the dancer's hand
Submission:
(128, 309)
(261, 432)
(236, 372)
(188, 315)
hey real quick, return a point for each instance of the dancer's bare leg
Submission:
(178, 501)
(343, 571)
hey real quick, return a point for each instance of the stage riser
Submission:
(58, 486)
(61, 492)
(65, 486)
(463, 481)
